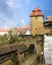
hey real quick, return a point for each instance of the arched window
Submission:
(36, 29)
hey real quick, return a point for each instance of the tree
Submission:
(13, 36)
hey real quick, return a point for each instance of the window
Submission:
(36, 29)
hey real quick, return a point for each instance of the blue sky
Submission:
(15, 13)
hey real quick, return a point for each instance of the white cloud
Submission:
(5, 21)
(11, 4)
(27, 2)
(23, 22)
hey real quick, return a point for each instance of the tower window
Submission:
(36, 29)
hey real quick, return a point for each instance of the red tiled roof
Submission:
(40, 13)
(4, 30)
(15, 29)
(23, 29)
(36, 12)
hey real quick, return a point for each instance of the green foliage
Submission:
(13, 36)
(8, 39)
(3, 39)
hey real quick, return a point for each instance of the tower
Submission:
(36, 21)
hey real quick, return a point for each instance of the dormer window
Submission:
(36, 29)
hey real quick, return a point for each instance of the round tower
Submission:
(36, 21)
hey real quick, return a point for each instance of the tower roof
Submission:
(49, 18)
(36, 12)
(48, 21)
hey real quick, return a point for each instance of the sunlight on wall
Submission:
(48, 49)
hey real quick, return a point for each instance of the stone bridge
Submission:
(21, 50)
(11, 52)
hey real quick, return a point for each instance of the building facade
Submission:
(36, 35)
(36, 23)
(48, 25)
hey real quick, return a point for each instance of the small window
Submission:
(36, 29)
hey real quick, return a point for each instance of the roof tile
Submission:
(36, 12)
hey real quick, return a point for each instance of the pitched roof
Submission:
(48, 21)
(36, 12)
(23, 29)
(4, 30)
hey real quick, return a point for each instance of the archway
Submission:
(32, 48)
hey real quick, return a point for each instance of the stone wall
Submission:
(37, 40)
(37, 25)
(48, 28)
